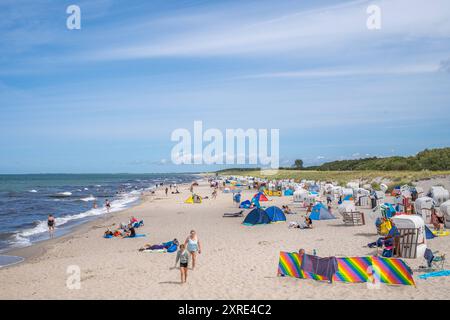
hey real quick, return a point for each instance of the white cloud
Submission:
(352, 71)
(308, 31)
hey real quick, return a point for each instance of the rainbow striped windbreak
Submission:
(352, 269)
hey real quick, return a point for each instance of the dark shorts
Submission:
(183, 265)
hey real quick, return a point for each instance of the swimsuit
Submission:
(184, 259)
(192, 245)
(50, 223)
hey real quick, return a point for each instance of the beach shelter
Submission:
(391, 271)
(275, 214)
(256, 216)
(245, 204)
(439, 195)
(288, 192)
(193, 199)
(260, 196)
(320, 212)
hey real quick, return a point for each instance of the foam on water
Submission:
(26, 201)
(23, 238)
(90, 198)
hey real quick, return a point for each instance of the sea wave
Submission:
(90, 198)
(22, 238)
(62, 194)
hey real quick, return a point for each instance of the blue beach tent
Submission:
(320, 212)
(256, 216)
(288, 192)
(275, 214)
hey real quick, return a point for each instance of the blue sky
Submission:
(107, 97)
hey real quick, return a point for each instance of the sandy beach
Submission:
(237, 262)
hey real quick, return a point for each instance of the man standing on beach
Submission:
(51, 225)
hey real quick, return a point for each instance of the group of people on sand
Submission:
(125, 230)
(186, 254)
(306, 224)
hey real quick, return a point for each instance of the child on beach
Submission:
(183, 257)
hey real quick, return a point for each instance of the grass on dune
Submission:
(342, 177)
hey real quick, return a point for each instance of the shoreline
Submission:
(39, 248)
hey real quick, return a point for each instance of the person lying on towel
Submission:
(163, 246)
(307, 224)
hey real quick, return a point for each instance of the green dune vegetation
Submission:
(395, 170)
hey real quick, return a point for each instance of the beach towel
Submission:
(158, 250)
(138, 235)
(108, 236)
(440, 233)
(443, 273)
(325, 267)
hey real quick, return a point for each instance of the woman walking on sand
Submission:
(183, 257)
(193, 246)
(51, 225)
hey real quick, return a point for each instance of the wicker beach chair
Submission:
(405, 244)
(354, 218)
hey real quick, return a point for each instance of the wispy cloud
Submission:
(302, 32)
(352, 71)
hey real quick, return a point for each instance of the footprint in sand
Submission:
(264, 243)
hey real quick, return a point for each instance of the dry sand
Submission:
(237, 262)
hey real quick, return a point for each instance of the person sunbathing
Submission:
(130, 233)
(163, 246)
(307, 224)
(436, 221)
